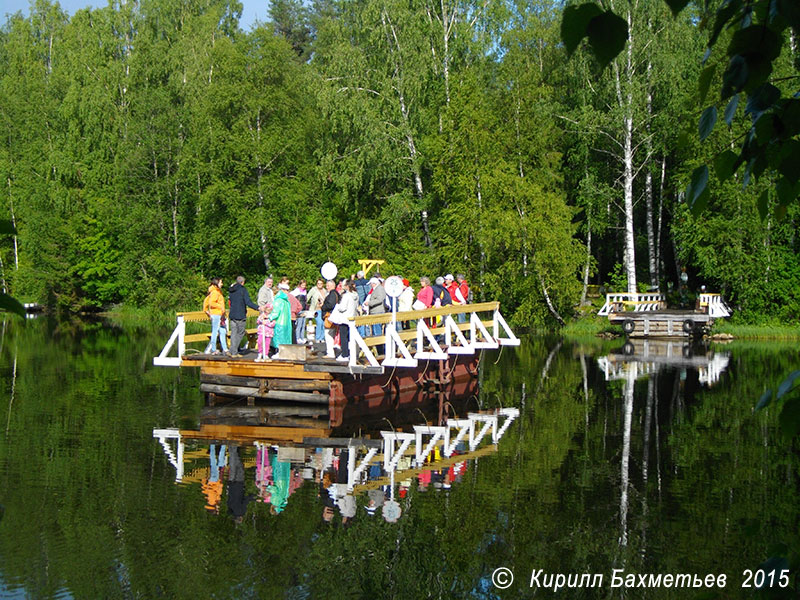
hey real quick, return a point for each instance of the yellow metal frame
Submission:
(366, 264)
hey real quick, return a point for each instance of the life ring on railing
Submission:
(628, 326)
(688, 326)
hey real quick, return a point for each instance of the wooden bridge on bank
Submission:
(647, 315)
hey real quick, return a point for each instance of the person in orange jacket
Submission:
(214, 307)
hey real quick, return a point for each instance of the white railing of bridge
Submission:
(715, 304)
(452, 341)
(639, 302)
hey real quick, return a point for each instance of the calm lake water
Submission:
(644, 465)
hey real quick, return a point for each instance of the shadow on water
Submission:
(618, 459)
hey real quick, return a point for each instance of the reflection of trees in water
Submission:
(89, 495)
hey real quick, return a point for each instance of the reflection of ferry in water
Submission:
(642, 357)
(373, 463)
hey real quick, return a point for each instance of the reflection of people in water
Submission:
(347, 506)
(275, 479)
(263, 472)
(342, 496)
(376, 500)
(333, 491)
(212, 487)
(237, 501)
(279, 489)
(328, 477)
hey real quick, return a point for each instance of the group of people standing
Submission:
(283, 315)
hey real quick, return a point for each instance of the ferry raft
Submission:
(647, 315)
(426, 352)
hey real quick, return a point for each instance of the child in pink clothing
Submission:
(266, 329)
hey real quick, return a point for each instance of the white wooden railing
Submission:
(638, 302)
(442, 341)
(433, 342)
(715, 304)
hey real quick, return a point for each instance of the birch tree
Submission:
(622, 120)
(376, 60)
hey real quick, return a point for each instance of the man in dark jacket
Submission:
(362, 289)
(331, 300)
(239, 298)
(440, 293)
(237, 500)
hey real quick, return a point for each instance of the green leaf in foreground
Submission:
(790, 418)
(697, 193)
(9, 304)
(676, 6)
(787, 384)
(762, 98)
(723, 164)
(764, 401)
(705, 81)
(730, 110)
(787, 192)
(763, 204)
(7, 226)
(576, 22)
(608, 33)
(707, 121)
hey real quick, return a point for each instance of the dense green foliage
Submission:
(149, 145)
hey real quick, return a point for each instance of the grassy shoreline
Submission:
(745, 331)
(590, 325)
(593, 325)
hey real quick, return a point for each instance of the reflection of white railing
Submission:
(710, 374)
(709, 368)
(426, 438)
(175, 458)
(625, 370)
(715, 304)
(420, 445)
(435, 343)
(638, 302)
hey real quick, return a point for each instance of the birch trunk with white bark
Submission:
(648, 191)
(394, 49)
(625, 100)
